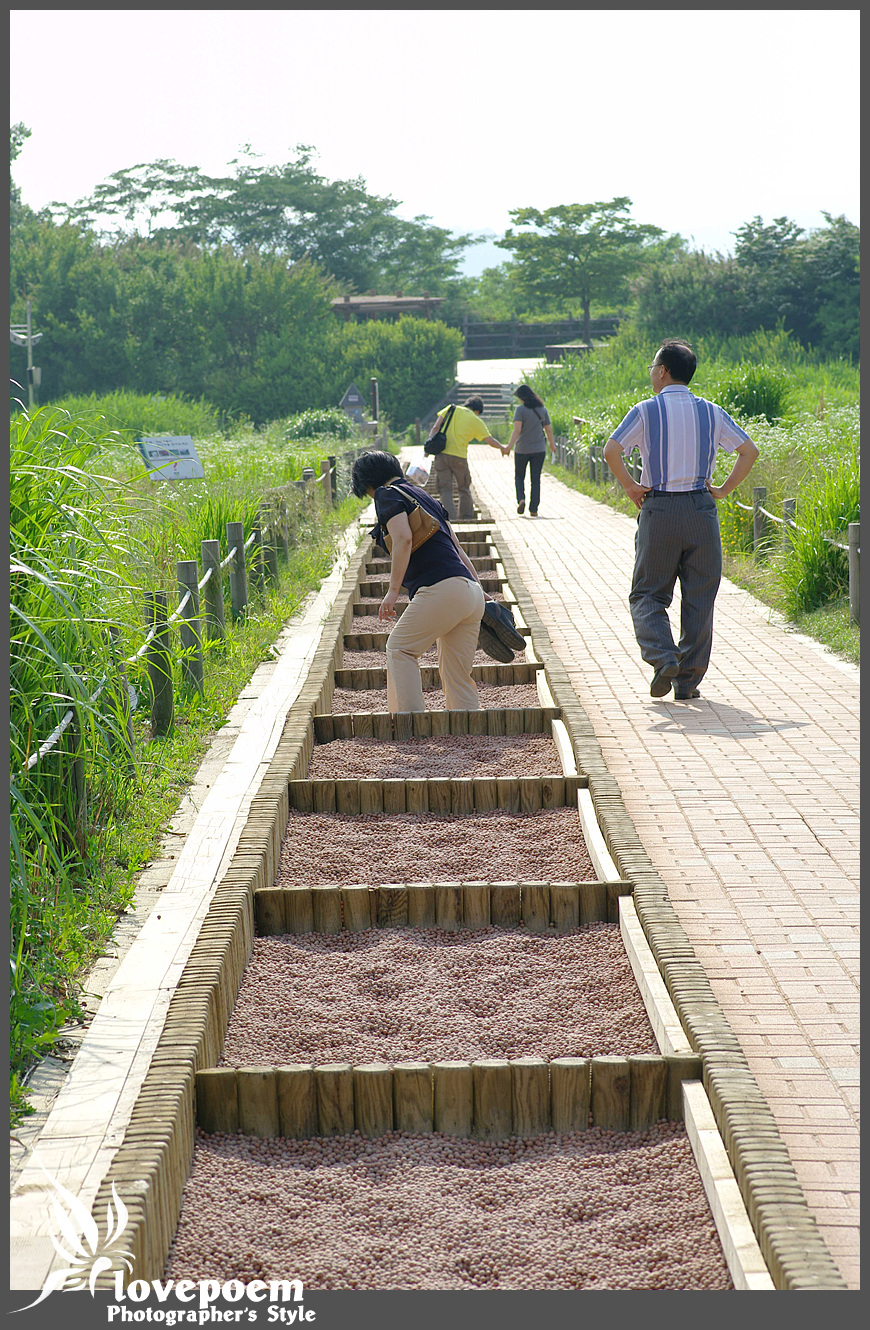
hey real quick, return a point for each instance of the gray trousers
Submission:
(677, 537)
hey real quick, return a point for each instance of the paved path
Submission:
(746, 802)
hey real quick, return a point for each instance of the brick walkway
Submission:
(746, 802)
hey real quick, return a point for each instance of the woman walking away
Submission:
(446, 598)
(531, 423)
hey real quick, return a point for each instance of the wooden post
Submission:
(217, 1103)
(159, 663)
(536, 906)
(213, 591)
(283, 519)
(308, 483)
(297, 1101)
(333, 480)
(373, 1098)
(258, 1102)
(421, 906)
(357, 909)
(789, 514)
(326, 903)
(569, 1094)
(759, 521)
(269, 912)
(530, 1097)
(334, 1088)
(453, 1098)
(392, 905)
(611, 1093)
(187, 574)
(505, 904)
(648, 1090)
(491, 1079)
(325, 485)
(300, 910)
(681, 1067)
(855, 572)
(475, 905)
(413, 1106)
(238, 571)
(592, 462)
(448, 907)
(564, 906)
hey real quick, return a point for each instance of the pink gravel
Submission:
(374, 848)
(492, 696)
(592, 1210)
(455, 755)
(423, 994)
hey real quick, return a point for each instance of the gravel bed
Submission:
(372, 848)
(423, 994)
(455, 755)
(364, 660)
(492, 696)
(591, 1210)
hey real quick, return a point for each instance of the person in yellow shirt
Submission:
(465, 427)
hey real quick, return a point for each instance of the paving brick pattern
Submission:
(746, 802)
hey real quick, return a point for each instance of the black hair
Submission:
(527, 396)
(372, 470)
(678, 359)
(474, 404)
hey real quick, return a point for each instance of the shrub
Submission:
(310, 424)
(142, 413)
(414, 361)
(752, 390)
(815, 571)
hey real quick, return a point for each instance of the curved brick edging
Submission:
(791, 1243)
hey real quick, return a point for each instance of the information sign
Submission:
(171, 457)
(353, 403)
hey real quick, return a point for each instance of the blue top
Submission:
(678, 435)
(435, 560)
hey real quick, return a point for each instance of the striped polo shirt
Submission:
(678, 435)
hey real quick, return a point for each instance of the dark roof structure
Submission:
(372, 306)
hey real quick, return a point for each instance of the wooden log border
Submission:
(779, 1212)
(375, 676)
(385, 726)
(489, 1099)
(539, 907)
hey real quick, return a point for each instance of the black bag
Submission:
(437, 442)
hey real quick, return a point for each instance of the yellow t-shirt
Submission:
(465, 427)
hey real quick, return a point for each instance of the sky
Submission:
(703, 118)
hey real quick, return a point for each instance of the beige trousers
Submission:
(446, 468)
(448, 613)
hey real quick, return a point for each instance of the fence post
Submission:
(268, 537)
(187, 574)
(855, 572)
(333, 478)
(308, 480)
(789, 514)
(213, 591)
(283, 523)
(326, 483)
(592, 462)
(159, 663)
(122, 693)
(238, 572)
(759, 522)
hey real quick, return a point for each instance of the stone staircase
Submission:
(498, 401)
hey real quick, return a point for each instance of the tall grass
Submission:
(91, 531)
(814, 571)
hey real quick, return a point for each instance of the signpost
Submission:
(23, 335)
(353, 403)
(171, 457)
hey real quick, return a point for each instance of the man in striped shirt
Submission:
(678, 435)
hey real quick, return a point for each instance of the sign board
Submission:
(171, 457)
(353, 403)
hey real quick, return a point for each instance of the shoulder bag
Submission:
(422, 524)
(437, 442)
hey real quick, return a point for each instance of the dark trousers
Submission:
(677, 538)
(535, 463)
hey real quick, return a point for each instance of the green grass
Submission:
(90, 533)
(827, 623)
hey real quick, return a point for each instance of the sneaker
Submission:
(685, 696)
(500, 621)
(521, 506)
(488, 642)
(533, 512)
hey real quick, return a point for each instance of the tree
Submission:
(17, 135)
(581, 251)
(289, 210)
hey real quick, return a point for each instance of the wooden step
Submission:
(378, 641)
(389, 728)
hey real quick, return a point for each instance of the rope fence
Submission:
(251, 562)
